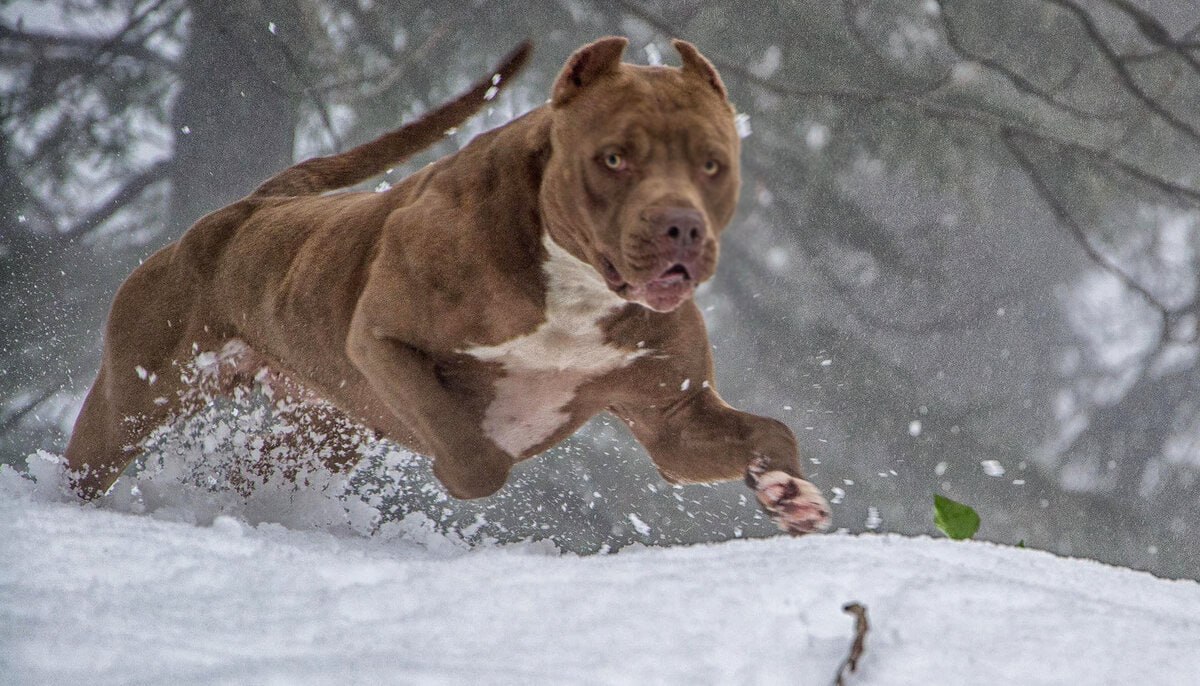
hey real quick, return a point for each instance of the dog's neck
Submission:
(574, 287)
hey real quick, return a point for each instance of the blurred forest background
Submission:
(965, 260)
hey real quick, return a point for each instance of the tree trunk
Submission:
(236, 114)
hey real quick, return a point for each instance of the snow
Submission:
(992, 467)
(88, 594)
(653, 55)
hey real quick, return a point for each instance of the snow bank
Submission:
(90, 595)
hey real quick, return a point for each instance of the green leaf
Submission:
(956, 520)
(1021, 543)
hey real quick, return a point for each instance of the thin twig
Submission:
(1077, 232)
(34, 45)
(1123, 74)
(1185, 43)
(131, 190)
(861, 627)
(302, 71)
(1184, 194)
(1014, 77)
(101, 56)
(13, 419)
(981, 119)
(849, 8)
(1153, 31)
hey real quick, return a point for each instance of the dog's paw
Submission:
(796, 505)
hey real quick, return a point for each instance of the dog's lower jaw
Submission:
(664, 297)
(665, 293)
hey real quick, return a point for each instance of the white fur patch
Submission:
(544, 368)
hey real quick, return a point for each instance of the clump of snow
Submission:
(742, 122)
(992, 467)
(640, 526)
(817, 136)
(772, 59)
(653, 55)
(90, 595)
(873, 518)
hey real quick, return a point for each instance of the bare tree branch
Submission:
(97, 47)
(100, 58)
(1081, 237)
(1123, 74)
(1185, 43)
(14, 418)
(131, 190)
(1178, 191)
(395, 72)
(1018, 80)
(981, 119)
(736, 68)
(82, 48)
(984, 120)
(303, 73)
(1154, 31)
(138, 18)
(864, 41)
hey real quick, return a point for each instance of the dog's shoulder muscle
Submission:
(201, 247)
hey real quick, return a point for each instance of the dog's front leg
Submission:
(467, 463)
(700, 438)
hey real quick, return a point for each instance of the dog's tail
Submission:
(321, 174)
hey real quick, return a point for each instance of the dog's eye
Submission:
(711, 167)
(614, 161)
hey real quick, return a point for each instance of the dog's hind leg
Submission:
(138, 386)
(113, 422)
(94, 456)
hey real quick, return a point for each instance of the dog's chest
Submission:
(544, 368)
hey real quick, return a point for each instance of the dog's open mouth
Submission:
(675, 273)
(663, 293)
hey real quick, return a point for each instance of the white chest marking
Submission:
(543, 369)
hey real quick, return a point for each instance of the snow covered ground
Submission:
(93, 595)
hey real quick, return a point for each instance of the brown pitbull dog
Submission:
(483, 309)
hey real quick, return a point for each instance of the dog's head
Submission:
(643, 174)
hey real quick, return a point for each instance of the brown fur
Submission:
(386, 304)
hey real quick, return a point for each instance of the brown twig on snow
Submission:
(861, 627)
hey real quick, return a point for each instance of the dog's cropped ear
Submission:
(585, 66)
(698, 65)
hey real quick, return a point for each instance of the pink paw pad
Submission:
(796, 505)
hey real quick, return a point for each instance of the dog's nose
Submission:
(680, 227)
